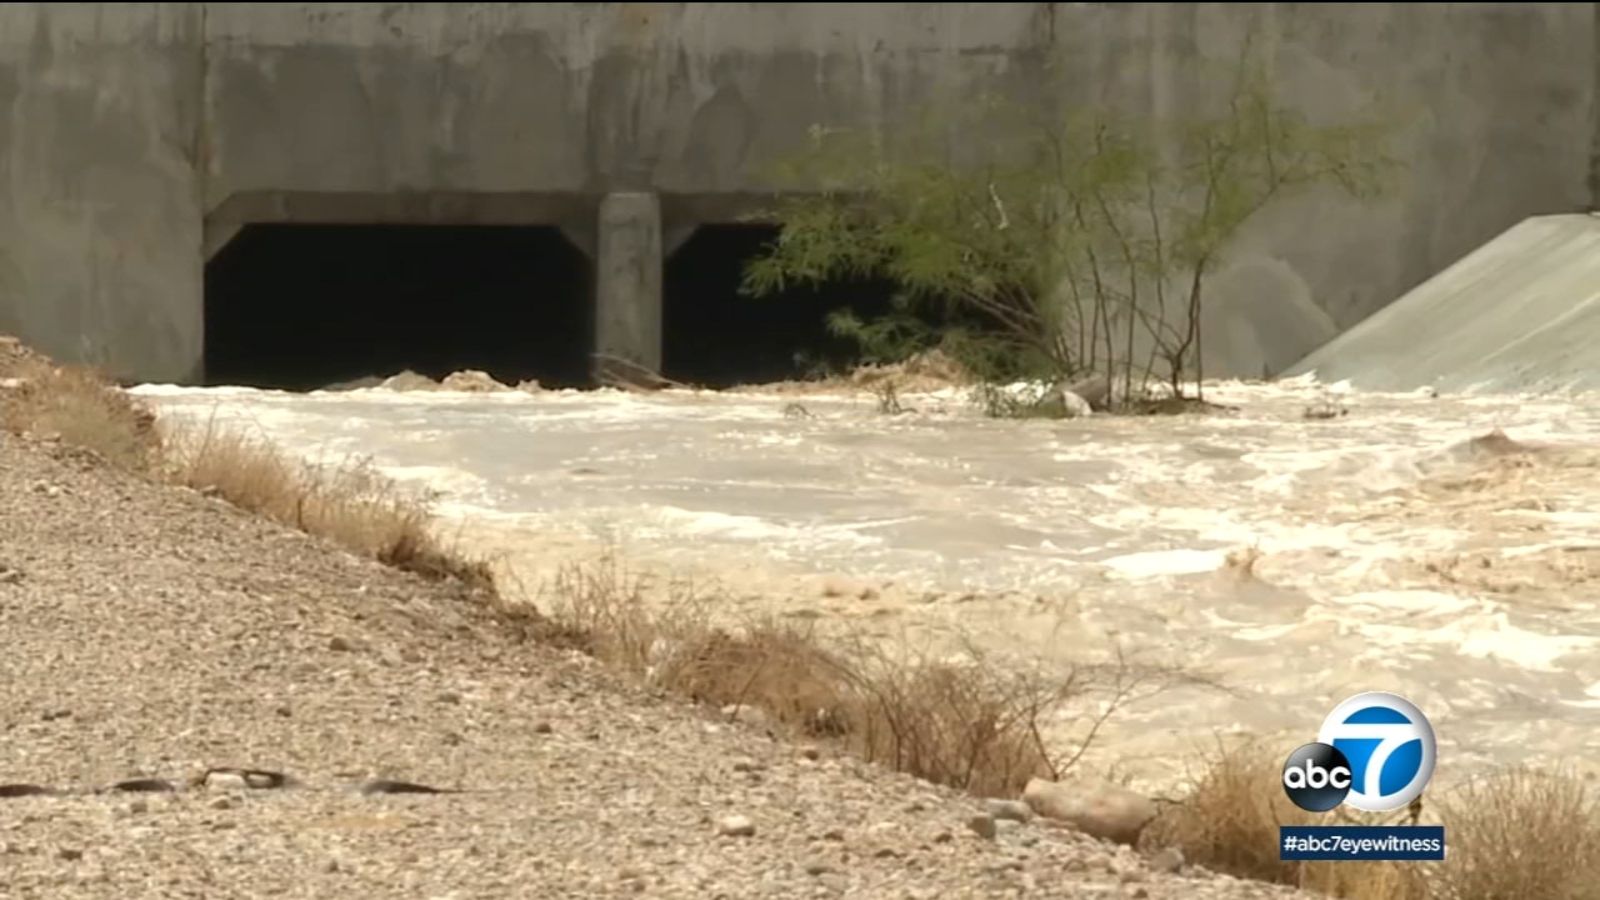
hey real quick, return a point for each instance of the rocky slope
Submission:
(153, 633)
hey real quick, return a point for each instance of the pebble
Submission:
(736, 826)
(1014, 810)
(1167, 861)
(983, 826)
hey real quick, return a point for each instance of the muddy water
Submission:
(1284, 562)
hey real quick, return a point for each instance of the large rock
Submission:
(410, 381)
(1095, 807)
(473, 381)
(1074, 406)
(1094, 390)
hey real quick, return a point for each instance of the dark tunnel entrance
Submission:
(300, 307)
(714, 336)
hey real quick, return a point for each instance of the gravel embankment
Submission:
(152, 632)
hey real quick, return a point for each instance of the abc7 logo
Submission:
(1375, 752)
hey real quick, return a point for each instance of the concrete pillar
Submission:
(628, 289)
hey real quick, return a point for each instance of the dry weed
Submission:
(1229, 822)
(971, 723)
(79, 408)
(1520, 833)
(348, 503)
(1513, 834)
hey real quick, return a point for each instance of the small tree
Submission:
(1075, 250)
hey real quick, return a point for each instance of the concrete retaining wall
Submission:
(137, 139)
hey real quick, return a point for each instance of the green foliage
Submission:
(1082, 247)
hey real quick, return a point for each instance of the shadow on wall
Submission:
(300, 307)
(1261, 318)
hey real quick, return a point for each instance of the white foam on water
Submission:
(1412, 602)
(705, 523)
(452, 482)
(1486, 635)
(1158, 563)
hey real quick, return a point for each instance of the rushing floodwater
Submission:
(1391, 550)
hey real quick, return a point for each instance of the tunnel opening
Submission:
(713, 335)
(301, 307)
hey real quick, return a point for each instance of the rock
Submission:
(1167, 861)
(410, 381)
(530, 386)
(138, 808)
(833, 834)
(746, 764)
(450, 697)
(983, 826)
(810, 753)
(1074, 406)
(222, 803)
(736, 826)
(543, 728)
(340, 644)
(9, 575)
(1014, 810)
(1095, 807)
(472, 381)
(1093, 390)
(144, 786)
(839, 586)
(1132, 876)
(70, 854)
(818, 867)
(229, 778)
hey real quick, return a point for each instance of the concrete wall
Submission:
(139, 138)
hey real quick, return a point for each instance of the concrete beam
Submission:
(676, 235)
(628, 290)
(218, 235)
(580, 234)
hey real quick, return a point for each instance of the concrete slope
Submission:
(1522, 312)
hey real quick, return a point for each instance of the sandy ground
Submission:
(155, 633)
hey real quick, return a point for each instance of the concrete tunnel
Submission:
(301, 301)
